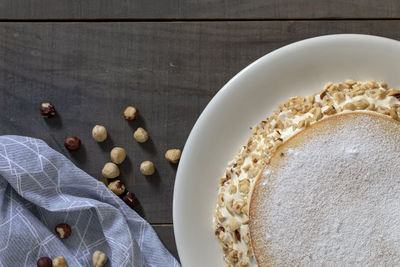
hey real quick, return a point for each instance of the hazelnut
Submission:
(147, 168)
(63, 230)
(99, 259)
(173, 155)
(117, 187)
(244, 186)
(99, 133)
(110, 170)
(141, 135)
(44, 262)
(72, 143)
(349, 106)
(47, 110)
(118, 155)
(233, 224)
(130, 199)
(59, 262)
(130, 113)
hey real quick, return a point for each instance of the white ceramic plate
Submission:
(300, 68)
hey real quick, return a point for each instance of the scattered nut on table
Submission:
(130, 113)
(99, 259)
(44, 262)
(117, 187)
(173, 155)
(59, 262)
(72, 143)
(47, 110)
(118, 155)
(147, 168)
(130, 199)
(110, 170)
(63, 230)
(99, 133)
(141, 135)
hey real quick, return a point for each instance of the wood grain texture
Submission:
(170, 71)
(196, 9)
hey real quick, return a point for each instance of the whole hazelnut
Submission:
(117, 187)
(47, 110)
(44, 262)
(118, 155)
(130, 199)
(110, 170)
(63, 230)
(141, 135)
(99, 259)
(99, 133)
(59, 262)
(72, 143)
(130, 113)
(173, 155)
(147, 168)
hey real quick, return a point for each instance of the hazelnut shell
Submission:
(63, 230)
(72, 143)
(44, 262)
(130, 199)
(47, 110)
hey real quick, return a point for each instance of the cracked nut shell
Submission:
(47, 110)
(72, 143)
(130, 199)
(63, 230)
(44, 262)
(117, 187)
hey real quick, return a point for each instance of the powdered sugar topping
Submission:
(335, 199)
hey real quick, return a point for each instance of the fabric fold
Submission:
(40, 188)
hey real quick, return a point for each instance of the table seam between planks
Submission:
(149, 9)
(161, 20)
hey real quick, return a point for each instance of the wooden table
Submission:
(92, 58)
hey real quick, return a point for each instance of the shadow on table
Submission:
(54, 122)
(154, 179)
(126, 166)
(139, 209)
(80, 155)
(149, 146)
(107, 144)
(138, 122)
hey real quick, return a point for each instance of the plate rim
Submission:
(179, 179)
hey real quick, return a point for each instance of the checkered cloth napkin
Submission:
(40, 188)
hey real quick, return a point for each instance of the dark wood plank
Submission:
(166, 235)
(174, 9)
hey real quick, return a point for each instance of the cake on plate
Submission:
(316, 182)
